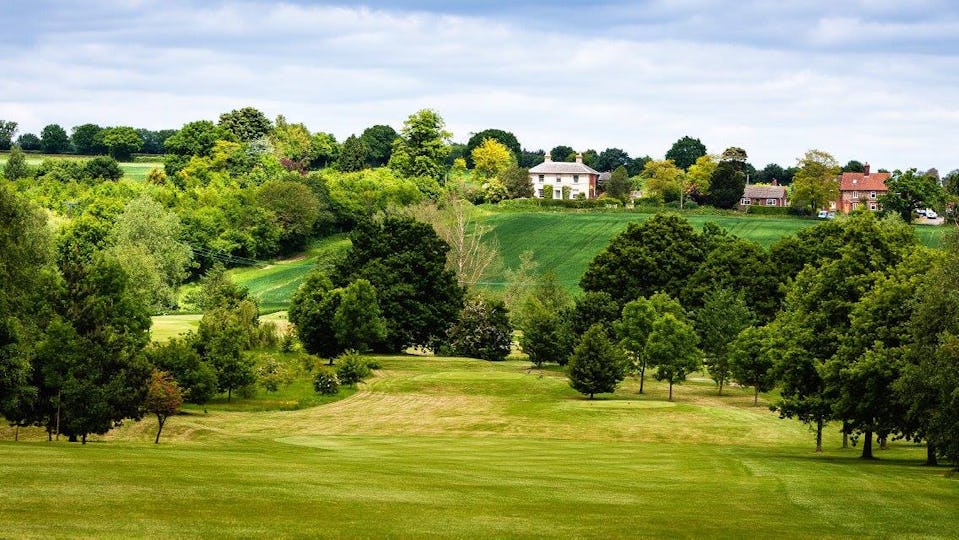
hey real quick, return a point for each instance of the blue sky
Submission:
(872, 80)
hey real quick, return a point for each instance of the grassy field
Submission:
(132, 171)
(463, 448)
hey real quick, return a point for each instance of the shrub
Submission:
(351, 368)
(326, 382)
(373, 363)
(768, 210)
(273, 374)
(103, 168)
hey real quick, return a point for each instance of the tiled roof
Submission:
(857, 181)
(562, 167)
(765, 192)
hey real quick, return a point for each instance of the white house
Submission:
(579, 178)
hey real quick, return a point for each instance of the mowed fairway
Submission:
(465, 448)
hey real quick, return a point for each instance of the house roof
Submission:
(562, 167)
(857, 181)
(765, 192)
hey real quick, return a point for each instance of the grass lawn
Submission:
(464, 448)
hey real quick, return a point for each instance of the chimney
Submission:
(865, 170)
(549, 158)
(579, 158)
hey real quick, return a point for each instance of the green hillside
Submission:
(449, 447)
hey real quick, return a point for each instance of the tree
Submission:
(421, 146)
(29, 142)
(562, 153)
(686, 151)
(739, 265)
(351, 368)
(671, 349)
(406, 262)
(529, 159)
(247, 124)
(379, 142)
(482, 330)
(324, 150)
(854, 166)
(103, 168)
(195, 377)
(295, 210)
(699, 176)
(163, 398)
(773, 174)
(596, 365)
(909, 191)
(146, 241)
(726, 185)
(196, 139)
(593, 308)
(517, 182)
(663, 180)
(16, 166)
(619, 185)
(353, 155)
(122, 142)
(357, 321)
(544, 333)
(491, 157)
(88, 140)
(54, 140)
(723, 316)
(815, 183)
(751, 362)
(636, 323)
(217, 290)
(153, 141)
(326, 382)
(611, 159)
(223, 336)
(506, 138)
(657, 255)
(8, 129)
(312, 309)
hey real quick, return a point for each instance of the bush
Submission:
(103, 168)
(373, 363)
(768, 210)
(351, 368)
(326, 382)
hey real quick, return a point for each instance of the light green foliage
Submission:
(752, 358)
(357, 321)
(272, 374)
(16, 166)
(224, 334)
(247, 124)
(324, 150)
(351, 368)
(8, 129)
(815, 183)
(505, 138)
(146, 241)
(619, 185)
(121, 142)
(291, 141)
(596, 366)
(295, 209)
(663, 180)
(366, 192)
(421, 147)
(178, 356)
(671, 349)
(491, 158)
(699, 174)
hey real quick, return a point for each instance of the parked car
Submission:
(931, 214)
(822, 214)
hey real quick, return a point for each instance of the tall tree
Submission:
(357, 322)
(610, 159)
(29, 141)
(353, 155)
(223, 335)
(295, 209)
(636, 323)
(379, 140)
(8, 129)
(16, 166)
(54, 140)
(698, 177)
(312, 309)
(517, 182)
(421, 146)
(909, 191)
(751, 361)
(491, 157)
(505, 138)
(483, 330)
(163, 398)
(195, 377)
(596, 366)
(723, 316)
(619, 185)
(686, 151)
(671, 349)
(121, 142)
(247, 124)
(816, 182)
(88, 140)
(726, 184)
(562, 153)
(663, 180)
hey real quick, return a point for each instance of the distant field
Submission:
(451, 447)
(136, 171)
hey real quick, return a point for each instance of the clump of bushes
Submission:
(351, 368)
(326, 382)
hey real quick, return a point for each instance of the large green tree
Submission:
(121, 142)
(8, 128)
(54, 139)
(611, 159)
(247, 124)
(911, 190)
(357, 322)
(421, 146)
(619, 185)
(726, 185)
(686, 151)
(483, 330)
(379, 142)
(353, 154)
(88, 139)
(671, 349)
(636, 323)
(406, 262)
(16, 166)
(597, 365)
(751, 360)
(505, 138)
(816, 182)
(312, 309)
(723, 316)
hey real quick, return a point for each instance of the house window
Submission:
(575, 178)
(872, 194)
(872, 206)
(770, 202)
(855, 195)
(539, 192)
(557, 193)
(745, 202)
(541, 178)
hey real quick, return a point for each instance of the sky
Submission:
(871, 80)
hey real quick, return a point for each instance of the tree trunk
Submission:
(845, 434)
(229, 395)
(160, 420)
(72, 438)
(590, 395)
(819, 435)
(931, 459)
(867, 446)
(882, 442)
(720, 386)
(756, 396)
(83, 439)
(16, 433)
(642, 376)
(670, 390)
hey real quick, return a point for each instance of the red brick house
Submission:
(860, 190)
(773, 195)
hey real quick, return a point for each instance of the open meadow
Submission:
(457, 447)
